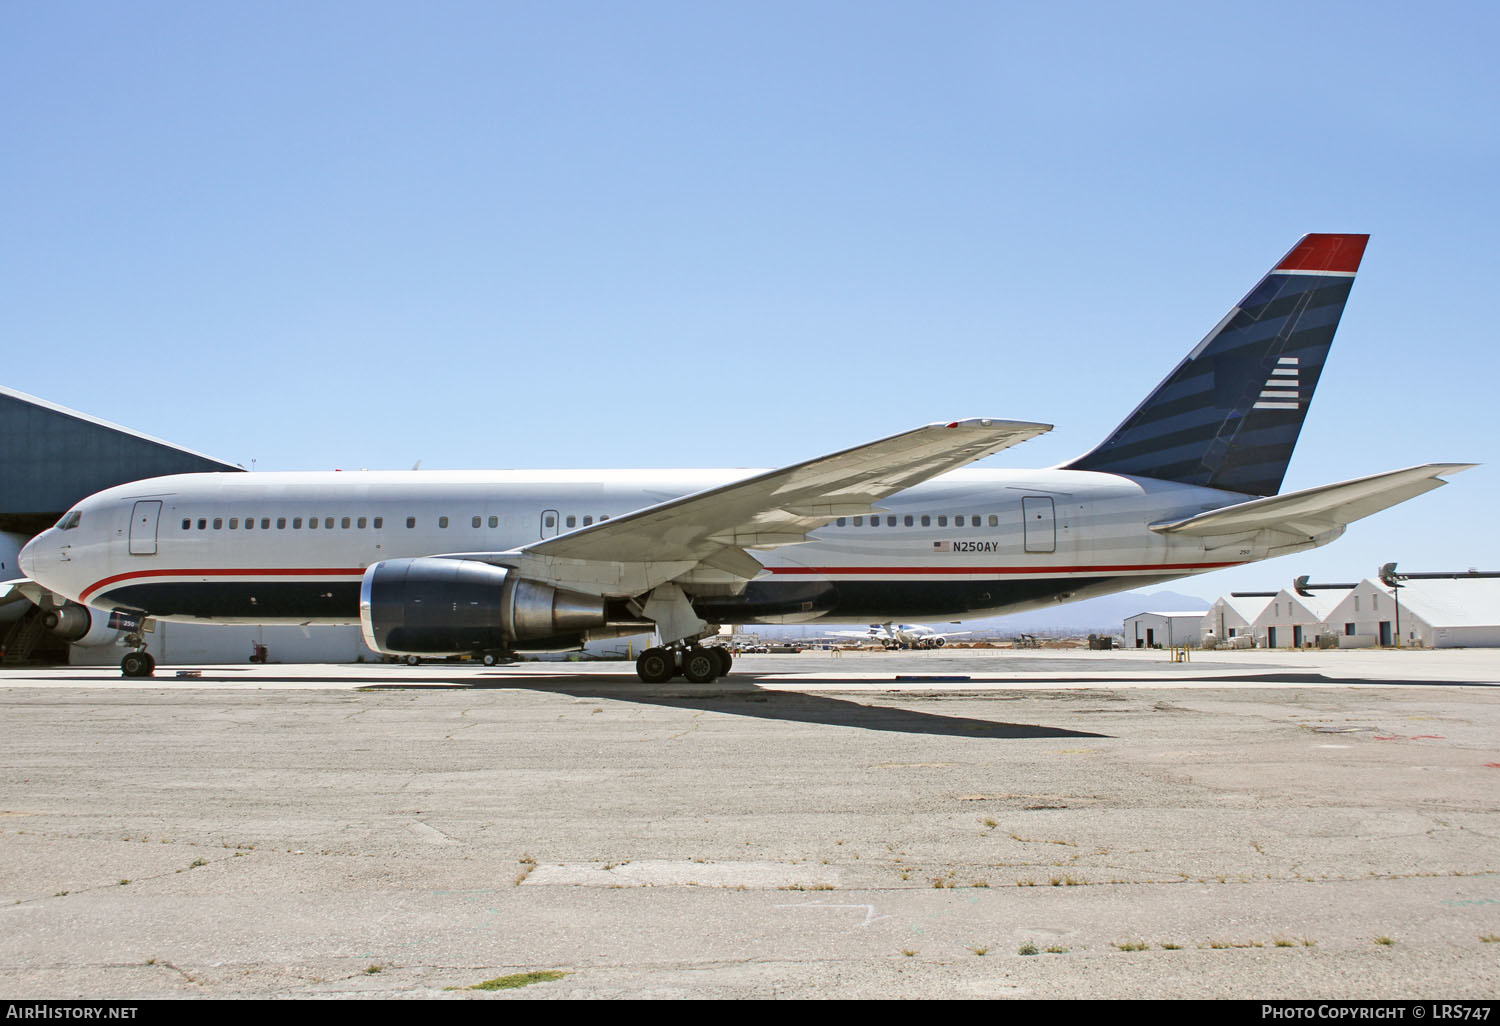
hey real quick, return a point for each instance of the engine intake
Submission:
(431, 606)
(79, 625)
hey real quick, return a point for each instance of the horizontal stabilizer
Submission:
(1313, 511)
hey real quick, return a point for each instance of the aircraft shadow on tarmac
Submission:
(738, 696)
(744, 699)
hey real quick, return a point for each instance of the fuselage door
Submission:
(143, 518)
(1041, 523)
(550, 522)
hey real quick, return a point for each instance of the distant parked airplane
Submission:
(900, 635)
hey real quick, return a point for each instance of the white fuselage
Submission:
(291, 547)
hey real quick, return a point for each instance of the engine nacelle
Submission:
(430, 606)
(79, 625)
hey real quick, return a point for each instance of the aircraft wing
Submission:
(780, 507)
(1313, 511)
(12, 592)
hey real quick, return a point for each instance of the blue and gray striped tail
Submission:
(1229, 415)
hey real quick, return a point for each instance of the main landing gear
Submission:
(696, 664)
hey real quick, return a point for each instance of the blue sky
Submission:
(322, 235)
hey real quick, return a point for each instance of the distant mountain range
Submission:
(1104, 615)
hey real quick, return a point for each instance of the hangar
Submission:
(1432, 610)
(1294, 618)
(1232, 615)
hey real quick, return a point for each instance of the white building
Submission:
(1148, 630)
(1233, 615)
(1431, 612)
(1365, 617)
(1294, 620)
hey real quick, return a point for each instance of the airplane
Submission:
(495, 563)
(900, 635)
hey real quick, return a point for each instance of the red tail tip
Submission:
(1340, 253)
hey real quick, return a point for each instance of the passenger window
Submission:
(943, 520)
(281, 523)
(994, 520)
(890, 521)
(218, 523)
(475, 521)
(202, 524)
(859, 521)
(344, 523)
(907, 521)
(603, 517)
(411, 521)
(328, 523)
(874, 521)
(296, 523)
(234, 523)
(312, 523)
(494, 520)
(442, 521)
(571, 521)
(249, 523)
(587, 521)
(187, 523)
(958, 521)
(839, 522)
(549, 520)
(926, 520)
(265, 523)
(379, 521)
(360, 523)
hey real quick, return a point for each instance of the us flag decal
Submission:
(942, 546)
(1280, 392)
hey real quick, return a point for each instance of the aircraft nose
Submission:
(26, 558)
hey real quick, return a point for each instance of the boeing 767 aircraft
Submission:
(502, 562)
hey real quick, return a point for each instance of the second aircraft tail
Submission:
(1229, 415)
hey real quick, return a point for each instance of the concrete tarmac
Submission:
(1251, 824)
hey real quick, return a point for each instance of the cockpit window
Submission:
(69, 520)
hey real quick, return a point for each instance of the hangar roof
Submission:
(51, 456)
(1454, 602)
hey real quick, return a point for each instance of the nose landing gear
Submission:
(138, 663)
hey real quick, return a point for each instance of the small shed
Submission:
(1163, 629)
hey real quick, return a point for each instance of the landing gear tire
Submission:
(137, 664)
(656, 666)
(413, 660)
(725, 660)
(488, 659)
(700, 665)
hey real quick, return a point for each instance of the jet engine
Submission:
(79, 625)
(431, 606)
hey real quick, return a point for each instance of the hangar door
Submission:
(143, 518)
(1041, 523)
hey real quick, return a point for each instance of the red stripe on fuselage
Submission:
(337, 571)
(994, 571)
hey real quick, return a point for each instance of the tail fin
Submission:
(1229, 415)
